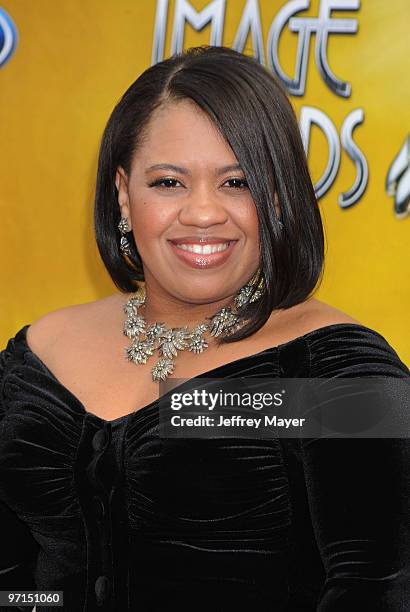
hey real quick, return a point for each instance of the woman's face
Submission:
(198, 199)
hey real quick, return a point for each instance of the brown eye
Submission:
(161, 182)
(242, 183)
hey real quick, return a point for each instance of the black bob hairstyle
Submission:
(250, 108)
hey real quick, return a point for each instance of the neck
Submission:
(177, 313)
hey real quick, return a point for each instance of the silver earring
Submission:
(124, 244)
(281, 226)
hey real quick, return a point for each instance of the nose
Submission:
(202, 209)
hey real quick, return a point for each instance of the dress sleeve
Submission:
(18, 547)
(358, 488)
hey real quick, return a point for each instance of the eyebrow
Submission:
(181, 170)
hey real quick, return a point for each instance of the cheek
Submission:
(149, 221)
(254, 222)
(249, 223)
(251, 230)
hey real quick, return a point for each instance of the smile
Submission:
(204, 249)
(203, 255)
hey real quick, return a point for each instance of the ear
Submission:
(121, 183)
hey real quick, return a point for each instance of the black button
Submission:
(102, 589)
(100, 440)
(99, 508)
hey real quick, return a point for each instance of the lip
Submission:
(201, 240)
(199, 260)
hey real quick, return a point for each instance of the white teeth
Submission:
(203, 249)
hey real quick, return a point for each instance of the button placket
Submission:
(99, 503)
(102, 589)
(100, 440)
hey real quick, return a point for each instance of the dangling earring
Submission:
(281, 226)
(125, 246)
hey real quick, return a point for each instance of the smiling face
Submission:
(199, 197)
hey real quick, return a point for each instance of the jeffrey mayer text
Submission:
(235, 421)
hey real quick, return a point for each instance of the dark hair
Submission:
(251, 109)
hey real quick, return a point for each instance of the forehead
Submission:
(182, 131)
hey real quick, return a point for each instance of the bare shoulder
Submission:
(322, 314)
(75, 322)
(304, 318)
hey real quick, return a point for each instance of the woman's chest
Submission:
(55, 475)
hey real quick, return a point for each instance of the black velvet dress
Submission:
(123, 520)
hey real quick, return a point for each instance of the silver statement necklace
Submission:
(146, 339)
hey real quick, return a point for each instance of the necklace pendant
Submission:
(134, 326)
(131, 307)
(172, 341)
(155, 331)
(200, 329)
(140, 351)
(162, 369)
(242, 297)
(222, 321)
(197, 344)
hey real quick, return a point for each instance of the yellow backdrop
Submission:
(74, 58)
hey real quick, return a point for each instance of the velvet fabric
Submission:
(122, 520)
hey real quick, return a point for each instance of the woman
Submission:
(203, 192)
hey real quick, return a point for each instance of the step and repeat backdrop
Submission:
(64, 65)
